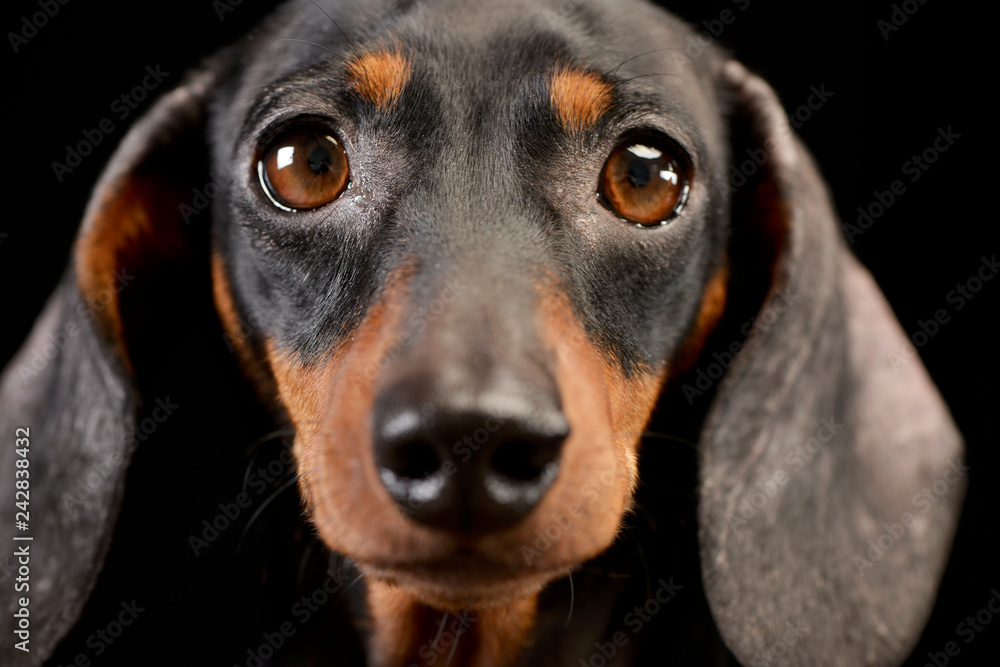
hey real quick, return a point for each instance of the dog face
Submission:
(470, 303)
(465, 251)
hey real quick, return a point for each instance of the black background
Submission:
(890, 97)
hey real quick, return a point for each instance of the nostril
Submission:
(411, 472)
(520, 472)
(410, 492)
(522, 461)
(413, 460)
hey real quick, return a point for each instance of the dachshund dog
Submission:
(547, 318)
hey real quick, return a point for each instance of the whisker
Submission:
(267, 437)
(645, 566)
(303, 564)
(262, 507)
(502, 620)
(333, 564)
(572, 600)
(639, 55)
(338, 561)
(451, 653)
(334, 22)
(252, 451)
(305, 41)
(673, 438)
(437, 637)
(248, 472)
(639, 76)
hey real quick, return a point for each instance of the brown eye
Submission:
(644, 181)
(303, 168)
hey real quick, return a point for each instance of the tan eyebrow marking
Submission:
(579, 97)
(379, 76)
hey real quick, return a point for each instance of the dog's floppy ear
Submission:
(830, 479)
(75, 387)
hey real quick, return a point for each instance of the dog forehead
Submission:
(480, 70)
(487, 43)
(473, 20)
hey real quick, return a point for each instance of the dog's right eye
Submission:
(645, 181)
(303, 168)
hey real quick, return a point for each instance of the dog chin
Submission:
(470, 585)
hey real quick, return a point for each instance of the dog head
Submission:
(465, 250)
(468, 262)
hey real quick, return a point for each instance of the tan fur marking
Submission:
(404, 631)
(379, 76)
(238, 338)
(713, 305)
(412, 571)
(579, 98)
(333, 440)
(303, 388)
(133, 228)
(616, 423)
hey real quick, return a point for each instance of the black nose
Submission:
(472, 465)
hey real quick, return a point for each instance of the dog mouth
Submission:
(464, 579)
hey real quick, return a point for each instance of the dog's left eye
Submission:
(644, 181)
(302, 168)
